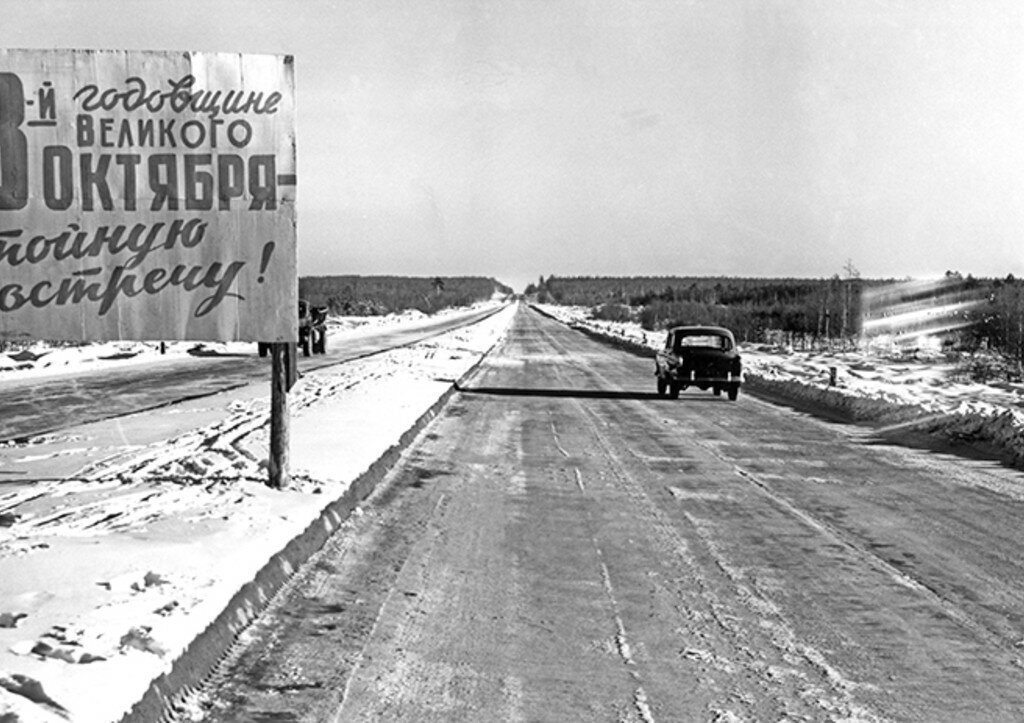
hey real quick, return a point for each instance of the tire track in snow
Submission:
(773, 628)
(622, 645)
(875, 561)
(139, 485)
(781, 636)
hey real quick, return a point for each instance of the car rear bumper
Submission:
(690, 377)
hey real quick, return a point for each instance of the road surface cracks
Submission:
(559, 545)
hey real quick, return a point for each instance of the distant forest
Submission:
(969, 313)
(376, 295)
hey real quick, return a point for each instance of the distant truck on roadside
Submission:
(699, 356)
(312, 330)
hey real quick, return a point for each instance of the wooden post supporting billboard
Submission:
(282, 377)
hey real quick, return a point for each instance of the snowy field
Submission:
(922, 393)
(150, 523)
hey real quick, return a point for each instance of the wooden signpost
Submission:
(283, 375)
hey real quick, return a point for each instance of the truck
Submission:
(699, 356)
(312, 330)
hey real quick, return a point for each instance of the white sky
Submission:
(609, 137)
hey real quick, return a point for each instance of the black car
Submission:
(699, 356)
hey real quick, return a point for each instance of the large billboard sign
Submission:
(147, 195)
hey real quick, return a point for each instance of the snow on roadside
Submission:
(45, 359)
(111, 570)
(919, 393)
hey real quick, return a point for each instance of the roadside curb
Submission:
(162, 700)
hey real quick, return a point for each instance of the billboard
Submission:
(147, 195)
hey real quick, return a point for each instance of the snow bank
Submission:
(913, 393)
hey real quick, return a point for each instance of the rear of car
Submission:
(699, 356)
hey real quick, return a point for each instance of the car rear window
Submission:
(704, 341)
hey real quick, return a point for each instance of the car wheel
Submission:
(734, 391)
(662, 387)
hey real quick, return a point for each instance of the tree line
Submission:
(968, 313)
(378, 295)
(828, 308)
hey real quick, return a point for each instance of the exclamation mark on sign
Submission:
(268, 250)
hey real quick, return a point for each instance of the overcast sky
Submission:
(625, 137)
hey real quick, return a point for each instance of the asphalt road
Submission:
(36, 406)
(560, 544)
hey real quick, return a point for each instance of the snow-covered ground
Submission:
(138, 531)
(43, 359)
(135, 533)
(923, 393)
